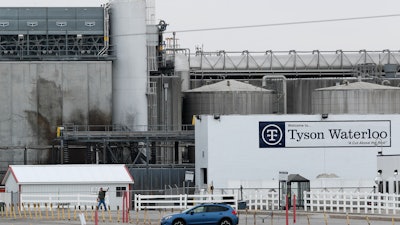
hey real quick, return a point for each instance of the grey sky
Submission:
(181, 15)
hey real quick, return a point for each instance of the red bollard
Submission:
(287, 210)
(294, 208)
(96, 217)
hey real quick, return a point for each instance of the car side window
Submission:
(216, 208)
(199, 209)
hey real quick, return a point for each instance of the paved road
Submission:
(251, 218)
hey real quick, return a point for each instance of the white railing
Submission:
(179, 201)
(59, 200)
(342, 202)
(263, 201)
(315, 201)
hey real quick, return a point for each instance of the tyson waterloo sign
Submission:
(317, 134)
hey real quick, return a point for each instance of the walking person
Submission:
(101, 198)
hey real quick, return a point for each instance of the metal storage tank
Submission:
(165, 113)
(227, 97)
(356, 98)
(165, 103)
(128, 20)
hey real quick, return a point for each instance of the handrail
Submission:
(182, 201)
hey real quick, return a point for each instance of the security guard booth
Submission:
(296, 185)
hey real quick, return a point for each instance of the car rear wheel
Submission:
(178, 222)
(225, 222)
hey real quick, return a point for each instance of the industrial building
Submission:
(103, 85)
(341, 147)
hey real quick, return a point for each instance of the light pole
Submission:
(396, 186)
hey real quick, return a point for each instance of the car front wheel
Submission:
(178, 222)
(225, 222)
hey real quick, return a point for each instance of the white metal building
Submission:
(387, 174)
(251, 150)
(72, 179)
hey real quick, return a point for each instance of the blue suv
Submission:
(204, 214)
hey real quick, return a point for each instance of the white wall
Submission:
(387, 164)
(11, 184)
(78, 189)
(232, 152)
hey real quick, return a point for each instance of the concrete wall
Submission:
(36, 97)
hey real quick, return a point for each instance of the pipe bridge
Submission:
(120, 144)
(255, 65)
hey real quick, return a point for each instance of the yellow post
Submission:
(58, 212)
(69, 213)
(47, 211)
(118, 213)
(109, 214)
(79, 209)
(368, 221)
(63, 212)
(39, 211)
(347, 219)
(145, 216)
(93, 213)
(34, 210)
(326, 219)
(246, 216)
(6, 212)
(29, 210)
(86, 218)
(14, 211)
(103, 216)
(272, 218)
(137, 216)
(74, 216)
(19, 211)
(52, 210)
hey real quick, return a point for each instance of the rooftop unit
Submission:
(41, 33)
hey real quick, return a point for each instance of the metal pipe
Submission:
(106, 30)
(284, 87)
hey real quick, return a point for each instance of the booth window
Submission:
(204, 175)
(120, 191)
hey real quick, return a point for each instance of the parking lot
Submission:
(246, 218)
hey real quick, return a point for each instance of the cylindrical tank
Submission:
(128, 19)
(356, 98)
(227, 97)
(165, 104)
(165, 113)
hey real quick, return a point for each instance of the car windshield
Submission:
(186, 210)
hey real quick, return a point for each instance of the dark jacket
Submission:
(102, 195)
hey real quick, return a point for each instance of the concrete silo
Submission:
(227, 97)
(130, 80)
(356, 98)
